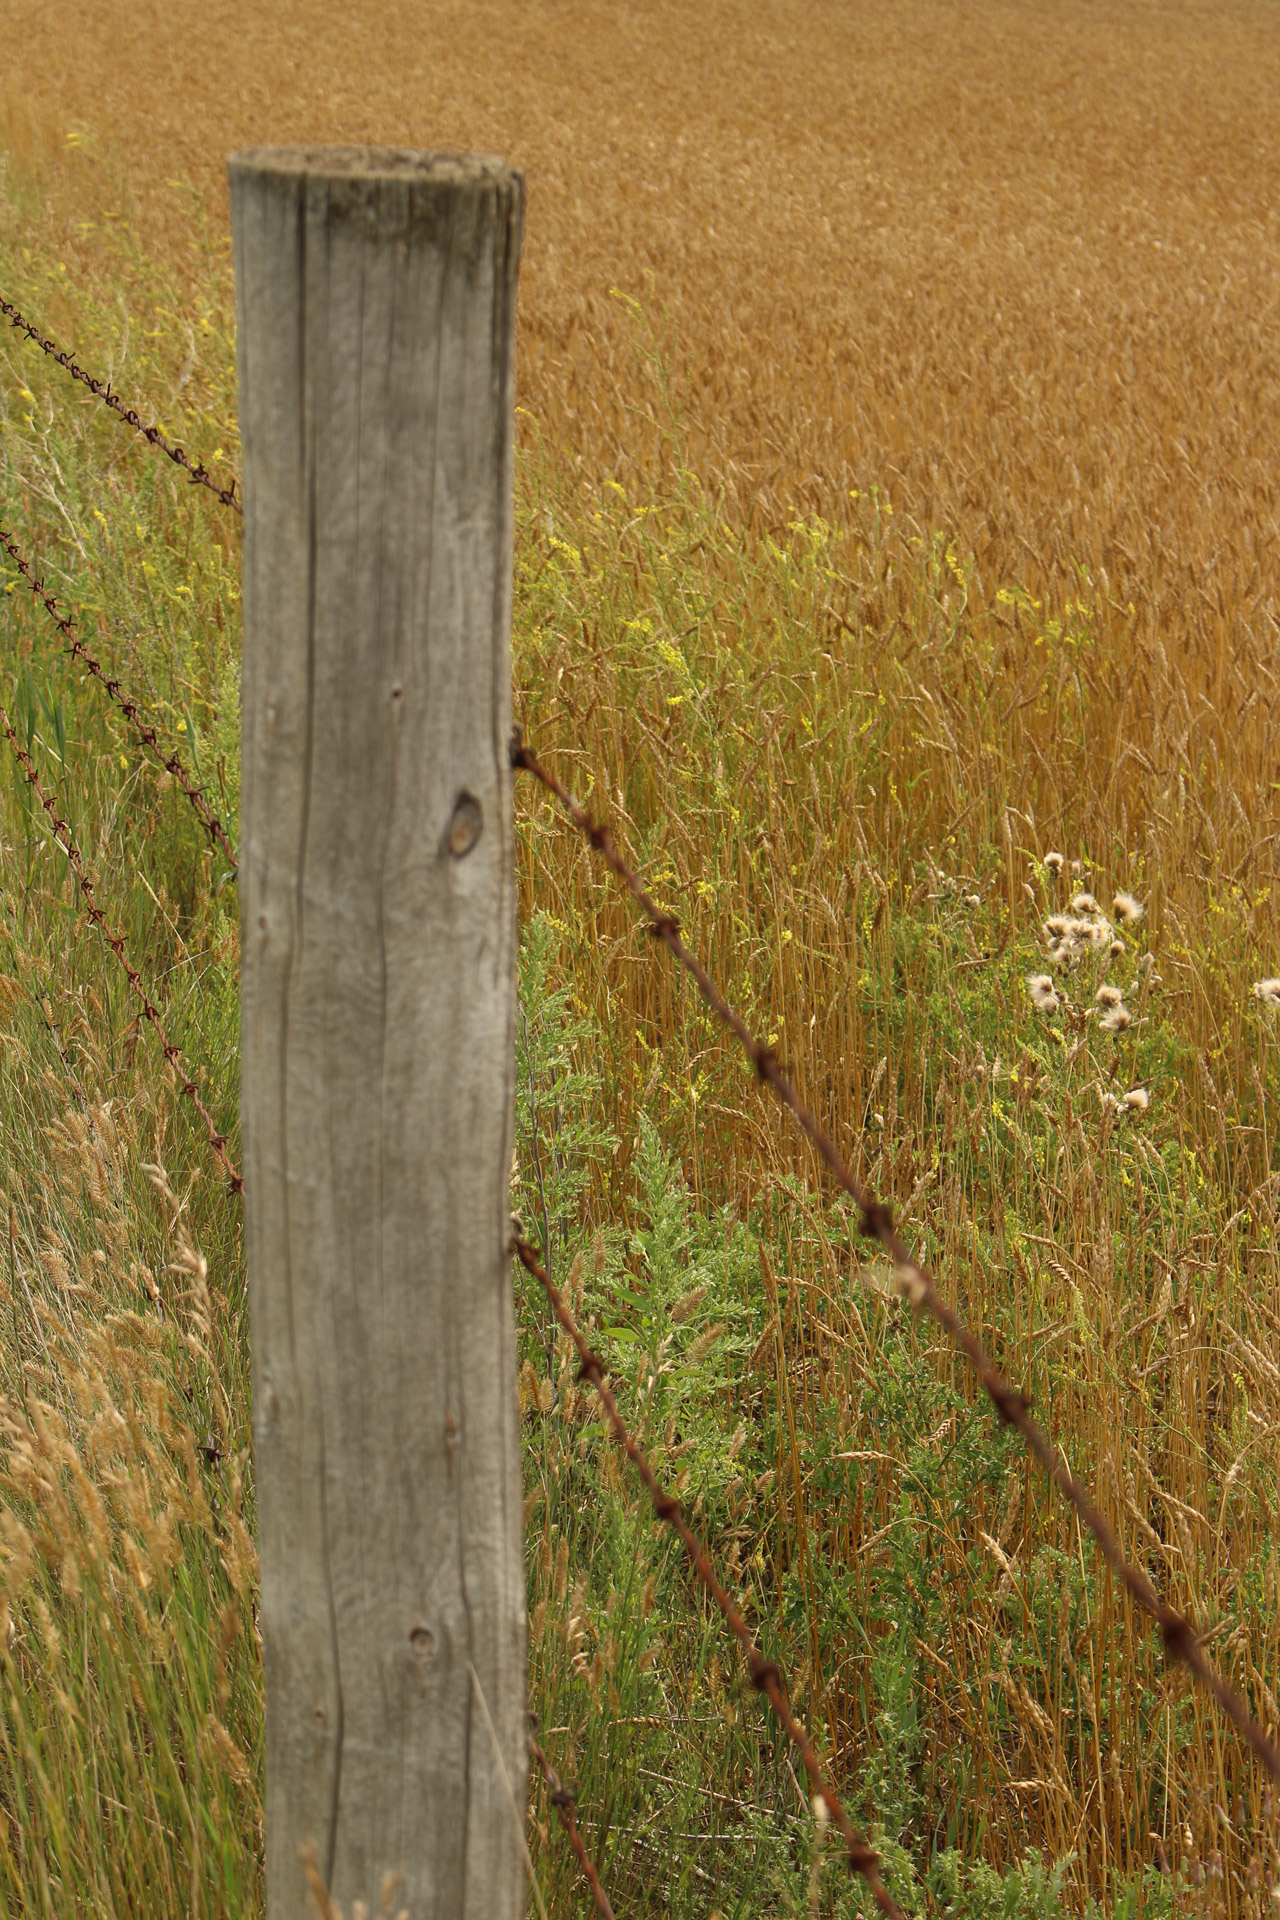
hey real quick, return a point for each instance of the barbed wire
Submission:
(130, 709)
(197, 472)
(566, 1809)
(917, 1282)
(66, 840)
(765, 1674)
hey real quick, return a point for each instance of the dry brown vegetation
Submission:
(1014, 273)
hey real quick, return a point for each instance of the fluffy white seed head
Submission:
(1069, 938)
(1116, 1019)
(1054, 862)
(1137, 1100)
(1268, 991)
(1108, 997)
(1128, 911)
(1116, 948)
(1084, 903)
(1044, 995)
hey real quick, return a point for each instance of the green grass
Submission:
(840, 757)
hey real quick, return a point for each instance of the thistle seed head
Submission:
(1044, 995)
(1128, 911)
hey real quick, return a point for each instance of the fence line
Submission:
(765, 1674)
(566, 1809)
(197, 472)
(129, 707)
(917, 1282)
(66, 839)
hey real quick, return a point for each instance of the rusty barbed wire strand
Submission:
(199, 474)
(66, 840)
(765, 1674)
(115, 692)
(918, 1286)
(563, 1802)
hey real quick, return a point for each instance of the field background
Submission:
(1016, 262)
(900, 396)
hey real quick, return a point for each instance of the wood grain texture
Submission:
(375, 298)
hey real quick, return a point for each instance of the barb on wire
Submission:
(199, 474)
(563, 1802)
(764, 1673)
(66, 840)
(130, 709)
(919, 1287)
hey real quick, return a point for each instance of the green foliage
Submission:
(634, 1677)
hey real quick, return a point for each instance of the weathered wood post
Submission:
(375, 313)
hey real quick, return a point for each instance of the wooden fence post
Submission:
(375, 314)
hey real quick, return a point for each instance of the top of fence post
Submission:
(375, 312)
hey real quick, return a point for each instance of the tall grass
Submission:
(844, 752)
(845, 779)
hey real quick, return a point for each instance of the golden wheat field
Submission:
(898, 561)
(1018, 263)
